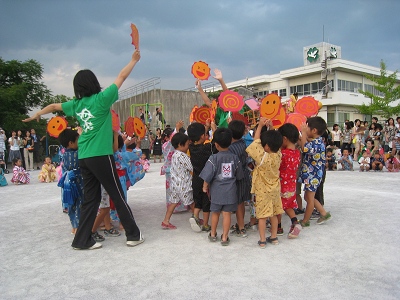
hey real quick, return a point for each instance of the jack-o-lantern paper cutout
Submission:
(201, 70)
(230, 101)
(139, 127)
(129, 126)
(115, 121)
(213, 110)
(56, 125)
(307, 106)
(280, 118)
(191, 117)
(296, 119)
(201, 114)
(270, 106)
(135, 36)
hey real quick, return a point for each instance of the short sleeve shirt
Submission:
(313, 162)
(94, 116)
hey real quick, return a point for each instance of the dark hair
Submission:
(356, 120)
(182, 130)
(167, 132)
(223, 137)
(195, 131)
(120, 141)
(317, 123)
(237, 127)
(348, 125)
(179, 139)
(329, 150)
(14, 161)
(273, 139)
(375, 118)
(389, 120)
(290, 131)
(66, 136)
(378, 126)
(334, 125)
(86, 84)
(397, 119)
(372, 124)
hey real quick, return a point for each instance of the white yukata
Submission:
(181, 179)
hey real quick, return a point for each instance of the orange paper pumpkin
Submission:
(201, 70)
(230, 101)
(135, 36)
(129, 126)
(270, 106)
(213, 110)
(56, 125)
(296, 119)
(201, 114)
(280, 118)
(191, 117)
(307, 106)
(115, 121)
(139, 127)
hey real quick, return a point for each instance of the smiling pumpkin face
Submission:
(56, 125)
(270, 106)
(201, 70)
(139, 128)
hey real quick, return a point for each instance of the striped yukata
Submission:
(243, 185)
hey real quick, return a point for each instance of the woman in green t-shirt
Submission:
(91, 107)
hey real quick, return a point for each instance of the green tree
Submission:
(385, 105)
(21, 90)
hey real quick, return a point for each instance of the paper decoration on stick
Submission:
(129, 126)
(270, 106)
(213, 110)
(296, 119)
(280, 118)
(191, 117)
(307, 106)
(115, 121)
(252, 103)
(56, 125)
(201, 114)
(139, 127)
(135, 36)
(230, 101)
(201, 70)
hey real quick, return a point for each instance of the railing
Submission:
(140, 88)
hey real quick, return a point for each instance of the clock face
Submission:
(333, 52)
(312, 54)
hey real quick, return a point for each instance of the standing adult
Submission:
(28, 151)
(13, 142)
(145, 144)
(36, 148)
(3, 139)
(91, 107)
(358, 132)
(159, 118)
(390, 133)
(21, 147)
(157, 145)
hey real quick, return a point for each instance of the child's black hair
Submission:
(289, 131)
(179, 139)
(273, 139)
(223, 137)
(14, 161)
(317, 123)
(86, 84)
(238, 128)
(329, 150)
(167, 132)
(195, 131)
(66, 136)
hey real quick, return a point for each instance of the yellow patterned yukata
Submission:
(266, 183)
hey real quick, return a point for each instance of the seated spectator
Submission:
(364, 161)
(330, 160)
(346, 161)
(377, 162)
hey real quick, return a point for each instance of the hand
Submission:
(304, 127)
(35, 117)
(218, 74)
(179, 125)
(198, 84)
(79, 130)
(136, 55)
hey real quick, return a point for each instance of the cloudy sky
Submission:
(242, 38)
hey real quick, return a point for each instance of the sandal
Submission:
(273, 241)
(167, 226)
(212, 238)
(262, 244)
(225, 243)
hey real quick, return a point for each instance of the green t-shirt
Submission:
(94, 116)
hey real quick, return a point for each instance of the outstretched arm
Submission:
(218, 76)
(48, 109)
(127, 69)
(203, 95)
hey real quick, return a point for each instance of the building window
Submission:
(314, 87)
(307, 89)
(372, 90)
(282, 92)
(300, 90)
(274, 92)
(349, 86)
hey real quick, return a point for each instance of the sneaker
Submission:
(111, 232)
(294, 231)
(298, 211)
(212, 238)
(206, 228)
(167, 226)
(324, 219)
(280, 231)
(315, 215)
(135, 243)
(94, 247)
(98, 237)
(195, 224)
(241, 233)
(304, 224)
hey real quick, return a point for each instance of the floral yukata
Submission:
(313, 164)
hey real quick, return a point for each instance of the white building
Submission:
(342, 79)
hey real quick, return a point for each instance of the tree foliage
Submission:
(384, 106)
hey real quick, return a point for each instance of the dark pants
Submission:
(319, 193)
(97, 171)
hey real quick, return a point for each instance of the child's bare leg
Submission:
(107, 221)
(206, 218)
(279, 217)
(100, 218)
(226, 224)
(170, 211)
(299, 201)
(309, 198)
(290, 212)
(274, 226)
(214, 222)
(319, 207)
(262, 225)
(240, 216)
(196, 212)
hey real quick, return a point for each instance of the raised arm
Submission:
(127, 69)
(203, 95)
(218, 76)
(263, 122)
(48, 109)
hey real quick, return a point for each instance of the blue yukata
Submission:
(313, 164)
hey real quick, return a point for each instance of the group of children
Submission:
(216, 177)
